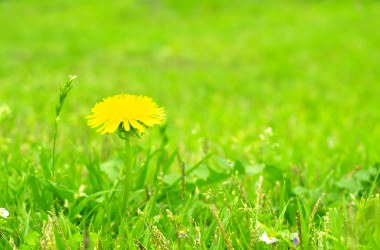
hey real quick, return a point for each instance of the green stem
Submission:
(55, 132)
(62, 96)
(127, 171)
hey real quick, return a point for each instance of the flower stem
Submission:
(127, 170)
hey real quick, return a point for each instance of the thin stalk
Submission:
(183, 181)
(62, 96)
(127, 170)
(55, 132)
(299, 227)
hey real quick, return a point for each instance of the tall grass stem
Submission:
(62, 96)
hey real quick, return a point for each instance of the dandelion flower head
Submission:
(127, 112)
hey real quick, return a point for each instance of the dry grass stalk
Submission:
(312, 217)
(158, 239)
(47, 242)
(254, 225)
(197, 240)
(299, 227)
(226, 236)
(139, 245)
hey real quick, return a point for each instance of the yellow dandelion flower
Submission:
(126, 112)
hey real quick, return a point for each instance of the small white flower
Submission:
(4, 213)
(295, 239)
(182, 234)
(81, 192)
(268, 239)
(268, 131)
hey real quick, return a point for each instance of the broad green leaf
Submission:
(170, 179)
(350, 184)
(365, 174)
(111, 168)
(254, 169)
(202, 172)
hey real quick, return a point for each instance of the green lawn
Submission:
(224, 72)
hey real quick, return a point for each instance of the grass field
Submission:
(273, 124)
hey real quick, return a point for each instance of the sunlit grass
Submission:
(272, 125)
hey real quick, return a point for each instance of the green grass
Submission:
(224, 73)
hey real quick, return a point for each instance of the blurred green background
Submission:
(223, 70)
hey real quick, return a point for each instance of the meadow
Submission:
(272, 125)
